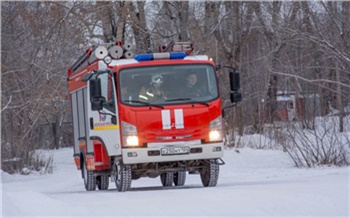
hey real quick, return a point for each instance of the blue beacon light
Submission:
(157, 56)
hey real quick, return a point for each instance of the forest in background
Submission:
(294, 46)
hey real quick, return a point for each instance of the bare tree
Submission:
(32, 78)
(139, 26)
(295, 46)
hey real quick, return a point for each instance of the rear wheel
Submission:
(102, 182)
(210, 173)
(122, 175)
(180, 178)
(89, 178)
(167, 178)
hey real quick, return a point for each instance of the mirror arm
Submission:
(104, 113)
(227, 107)
(113, 117)
(230, 68)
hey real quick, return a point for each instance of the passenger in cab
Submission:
(192, 89)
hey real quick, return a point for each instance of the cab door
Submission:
(103, 114)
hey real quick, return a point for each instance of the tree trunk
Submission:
(339, 100)
(121, 22)
(105, 15)
(139, 26)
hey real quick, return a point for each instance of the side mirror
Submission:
(234, 81)
(96, 98)
(95, 88)
(235, 85)
(218, 67)
(236, 97)
(96, 104)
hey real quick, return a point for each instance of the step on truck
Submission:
(147, 115)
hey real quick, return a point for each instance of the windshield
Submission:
(170, 84)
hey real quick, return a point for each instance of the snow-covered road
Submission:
(260, 183)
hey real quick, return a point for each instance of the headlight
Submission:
(215, 135)
(215, 129)
(132, 140)
(130, 137)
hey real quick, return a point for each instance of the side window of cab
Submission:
(108, 91)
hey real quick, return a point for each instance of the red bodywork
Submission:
(99, 161)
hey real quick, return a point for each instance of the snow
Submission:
(261, 183)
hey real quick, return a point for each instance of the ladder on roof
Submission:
(186, 47)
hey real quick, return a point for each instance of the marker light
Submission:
(107, 60)
(158, 56)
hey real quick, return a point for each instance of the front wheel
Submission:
(122, 176)
(210, 173)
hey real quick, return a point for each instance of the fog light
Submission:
(132, 154)
(216, 149)
(196, 150)
(153, 153)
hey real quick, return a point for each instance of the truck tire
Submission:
(122, 176)
(89, 178)
(102, 182)
(210, 173)
(180, 178)
(167, 179)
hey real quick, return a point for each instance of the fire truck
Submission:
(290, 107)
(122, 131)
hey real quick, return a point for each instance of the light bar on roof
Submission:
(158, 56)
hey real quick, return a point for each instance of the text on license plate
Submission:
(176, 150)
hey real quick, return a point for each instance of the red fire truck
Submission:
(139, 116)
(290, 107)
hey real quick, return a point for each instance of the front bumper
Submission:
(197, 152)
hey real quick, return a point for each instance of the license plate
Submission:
(175, 150)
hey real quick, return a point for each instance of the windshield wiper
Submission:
(144, 103)
(187, 99)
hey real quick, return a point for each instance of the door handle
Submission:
(91, 123)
